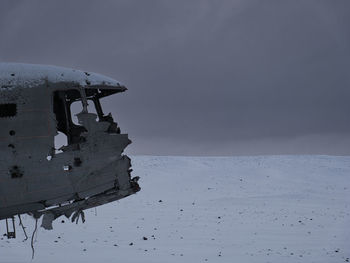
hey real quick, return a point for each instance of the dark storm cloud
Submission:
(204, 77)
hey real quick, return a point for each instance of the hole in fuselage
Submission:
(60, 141)
(76, 107)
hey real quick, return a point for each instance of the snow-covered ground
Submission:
(210, 209)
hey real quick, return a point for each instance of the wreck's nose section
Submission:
(103, 174)
(110, 170)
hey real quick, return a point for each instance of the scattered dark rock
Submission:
(131, 244)
(62, 221)
(145, 238)
(160, 201)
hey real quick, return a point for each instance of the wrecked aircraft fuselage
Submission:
(36, 178)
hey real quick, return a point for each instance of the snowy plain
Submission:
(209, 209)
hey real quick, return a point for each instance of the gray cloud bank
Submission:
(204, 77)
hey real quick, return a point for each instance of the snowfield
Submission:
(209, 209)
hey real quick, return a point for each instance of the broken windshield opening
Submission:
(93, 97)
(68, 103)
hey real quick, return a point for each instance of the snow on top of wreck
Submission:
(31, 75)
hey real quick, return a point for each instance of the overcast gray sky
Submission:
(204, 77)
